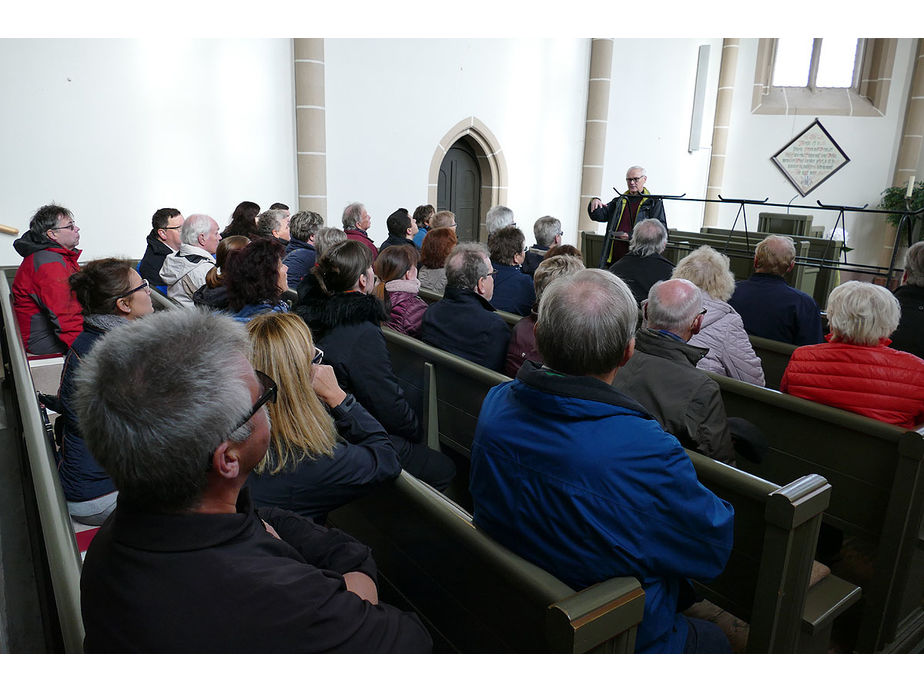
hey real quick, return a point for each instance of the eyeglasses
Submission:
(702, 312)
(270, 390)
(145, 284)
(318, 355)
(636, 179)
(526, 249)
(490, 274)
(70, 226)
(171, 228)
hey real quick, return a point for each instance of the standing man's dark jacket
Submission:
(649, 208)
(221, 583)
(641, 273)
(772, 309)
(662, 376)
(465, 324)
(910, 333)
(153, 260)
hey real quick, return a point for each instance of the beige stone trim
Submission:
(909, 149)
(598, 108)
(720, 128)
(868, 98)
(310, 125)
(491, 163)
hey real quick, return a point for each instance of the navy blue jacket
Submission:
(513, 291)
(465, 324)
(910, 333)
(300, 258)
(82, 478)
(772, 309)
(313, 487)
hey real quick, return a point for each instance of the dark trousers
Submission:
(428, 465)
(704, 637)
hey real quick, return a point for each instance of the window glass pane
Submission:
(791, 67)
(835, 65)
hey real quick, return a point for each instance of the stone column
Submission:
(723, 112)
(310, 127)
(598, 104)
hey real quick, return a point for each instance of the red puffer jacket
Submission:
(874, 381)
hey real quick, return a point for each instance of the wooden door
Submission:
(459, 190)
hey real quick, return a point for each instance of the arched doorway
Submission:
(468, 175)
(459, 189)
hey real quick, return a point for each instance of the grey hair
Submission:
(498, 217)
(546, 229)
(553, 268)
(153, 422)
(353, 214)
(327, 237)
(862, 313)
(672, 305)
(914, 264)
(305, 224)
(774, 255)
(466, 264)
(639, 168)
(649, 237)
(708, 269)
(194, 226)
(586, 322)
(270, 220)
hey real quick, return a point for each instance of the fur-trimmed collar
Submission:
(323, 313)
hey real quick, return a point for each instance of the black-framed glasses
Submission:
(318, 356)
(70, 226)
(636, 179)
(171, 228)
(270, 390)
(490, 274)
(145, 284)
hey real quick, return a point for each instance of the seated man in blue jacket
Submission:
(580, 480)
(185, 563)
(464, 322)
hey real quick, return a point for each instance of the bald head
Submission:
(674, 305)
(775, 255)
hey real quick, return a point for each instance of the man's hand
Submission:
(361, 585)
(325, 385)
(596, 203)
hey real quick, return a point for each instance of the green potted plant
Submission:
(894, 199)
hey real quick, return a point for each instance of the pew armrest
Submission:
(603, 618)
(825, 601)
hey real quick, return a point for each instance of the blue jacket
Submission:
(465, 324)
(300, 258)
(772, 309)
(247, 313)
(82, 478)
(582, 481)
(513, 291)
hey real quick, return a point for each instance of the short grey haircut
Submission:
(672, 305)
(586, 322)
(862, 313)
(649, 237)
(637, 168)
(305, 224)
(153, 434)
(914, 264)
(353, 214)
(553, 268)
(466, 264)
(270, 220)
(709, 270)
(498, 217)
(546, 229)
(195, 225)
(327, 237)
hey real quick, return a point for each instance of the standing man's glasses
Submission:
(634, 180)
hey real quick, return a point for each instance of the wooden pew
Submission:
(877, 473)
(774, 357)
(60, 545)
(474, 595)
(776, 528)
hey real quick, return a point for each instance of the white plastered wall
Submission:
(390, 102)
(114, 129)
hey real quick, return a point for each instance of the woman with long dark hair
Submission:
(345, 319)
(256, 279)
(214, 294)
(111, 294)
(243, 220)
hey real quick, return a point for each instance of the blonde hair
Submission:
(552, 268)
(283, 349)
(708, 269)
(861, 313)
(774, 255)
